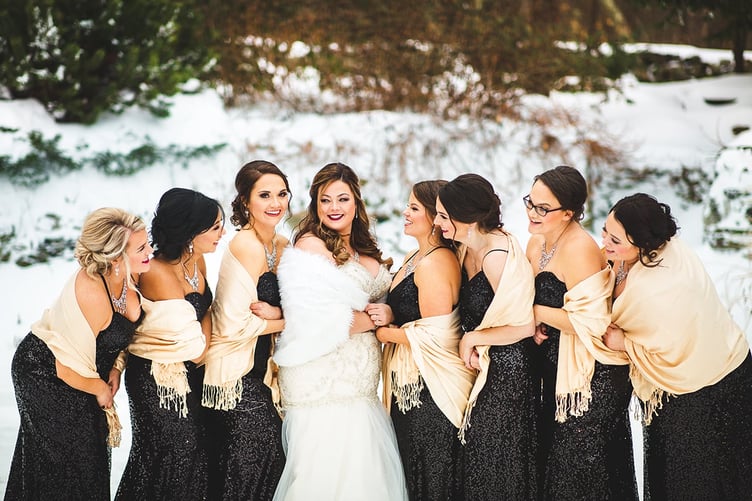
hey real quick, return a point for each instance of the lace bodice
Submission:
(351, 371)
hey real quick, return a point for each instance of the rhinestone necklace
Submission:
(193, 281)
(621, 273)
(414, 260)
(269, 255)
(545, 257)
(121, 303)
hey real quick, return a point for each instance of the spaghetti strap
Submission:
(493, 250)
(109, 294)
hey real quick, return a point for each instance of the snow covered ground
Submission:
(664, 127)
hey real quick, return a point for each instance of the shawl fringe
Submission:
(407, 393)
(223, 397)
(572, 404)
(172, 386)
(466, 420)
(114, 427)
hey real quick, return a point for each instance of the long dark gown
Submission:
(168, 452)
(246, 457)
(499, 459)
(62, 451)
(586, 457)
(714, 424)
(427, 440)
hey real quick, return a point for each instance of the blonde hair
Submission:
(103, 239)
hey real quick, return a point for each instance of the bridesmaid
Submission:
(586, 445)
(245, 453)
(163, 378)
(496, 298)
(426, 384)
(690, 362)
(65, 372)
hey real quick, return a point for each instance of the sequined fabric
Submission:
(586, 457)
(427, 440)
(699, 445)
(245, 447)
(168, 452)
(499, 459)
(61, 451)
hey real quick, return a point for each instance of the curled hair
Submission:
(568, 186)
(470, 198)
(104, 238)
(648, 224)
(426, 192)
(245, 180)
(181, 215)
(361, 239)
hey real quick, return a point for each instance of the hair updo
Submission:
(470, 198)
(568, 186)
(104, 238)
(648, 224)
(181, 215)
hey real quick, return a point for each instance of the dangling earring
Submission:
(117, 270)
(470, 232)
(190, 248)
(356, 215)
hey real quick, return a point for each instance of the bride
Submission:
(339, 441)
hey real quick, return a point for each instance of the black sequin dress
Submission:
(586, 457)
(62, 451)
(713, 424)
(246, 457)
(427, 440)
(168, 452)
(499, 459)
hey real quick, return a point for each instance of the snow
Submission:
(663, 126)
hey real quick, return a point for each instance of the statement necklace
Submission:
(121, 303)
(414, 260)
(621, 273)
(193, 281)
(545, 257)
(270, 256)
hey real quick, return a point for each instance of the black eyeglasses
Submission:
(541, 211)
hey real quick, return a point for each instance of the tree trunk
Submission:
(739, 44)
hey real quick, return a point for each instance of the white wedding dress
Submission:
(339, 440)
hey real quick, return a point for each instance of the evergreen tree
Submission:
(82, 57)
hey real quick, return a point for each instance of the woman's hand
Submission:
(540, 334)
(114, 381)
(380, 313)
(264, 310)
(475, 360)
(614, 338)
(468, 351)
(104, 396)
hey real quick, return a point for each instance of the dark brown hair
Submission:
(361, 239)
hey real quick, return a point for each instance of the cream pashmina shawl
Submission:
(587, 306)
(68, 335)
(678, 335)
(169, 335)
(512, 305)
(431, 356)
(235, 331)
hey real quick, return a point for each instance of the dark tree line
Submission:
(82, 57)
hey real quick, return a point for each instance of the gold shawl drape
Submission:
(235, 331)
(432, 357)
(678, 335)
(587, 306)
(169, 335)
(65, 331)
(512, 305)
